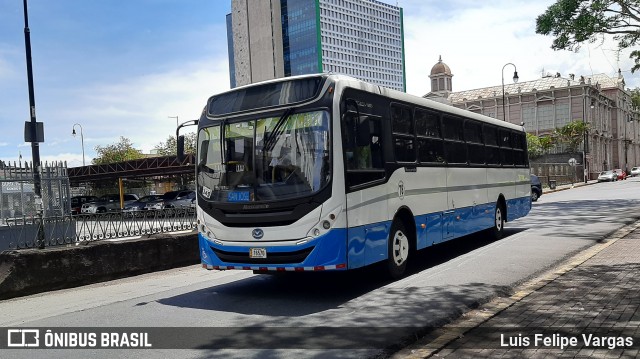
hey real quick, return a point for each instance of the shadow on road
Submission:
(300, 294)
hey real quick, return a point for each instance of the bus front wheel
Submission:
(398, 250)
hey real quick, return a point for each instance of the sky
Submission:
(112, 68)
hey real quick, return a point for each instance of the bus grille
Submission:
(272, 258)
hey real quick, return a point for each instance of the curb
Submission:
(434, 342)
(31, 271)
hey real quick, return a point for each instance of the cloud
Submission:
(139, 108)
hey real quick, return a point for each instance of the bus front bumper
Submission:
(326, 252)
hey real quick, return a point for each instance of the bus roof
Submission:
(348, 81)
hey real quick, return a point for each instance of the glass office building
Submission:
(359, 38)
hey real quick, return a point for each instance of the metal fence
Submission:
(17, 197)
(21, 232)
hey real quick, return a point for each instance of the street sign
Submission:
(572, 162)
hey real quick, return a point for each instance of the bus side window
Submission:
(362, 136)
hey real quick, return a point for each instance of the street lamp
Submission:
(627, 141)
(73, 133)
(176, 117)
(515, 80)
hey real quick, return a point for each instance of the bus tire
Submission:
(398, 250)
(498, 222)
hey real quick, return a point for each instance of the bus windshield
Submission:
(264, 159)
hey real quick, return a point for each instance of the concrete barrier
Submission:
(30, 271)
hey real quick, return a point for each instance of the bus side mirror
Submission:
(180, 146)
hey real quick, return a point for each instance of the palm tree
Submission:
(572, 134)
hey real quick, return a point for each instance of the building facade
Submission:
(277, 38)
(542, 105)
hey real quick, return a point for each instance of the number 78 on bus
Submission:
(326, 172)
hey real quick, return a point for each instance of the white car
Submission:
(635, 171)
(607, 176)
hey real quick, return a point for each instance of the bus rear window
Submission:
(264, 96)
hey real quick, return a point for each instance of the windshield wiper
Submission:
(270, 141)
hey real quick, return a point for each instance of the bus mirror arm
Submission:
(180, 139)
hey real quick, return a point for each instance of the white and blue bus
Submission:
(326, 172)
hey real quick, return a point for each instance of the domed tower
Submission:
(441, 79)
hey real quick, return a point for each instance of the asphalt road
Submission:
(268, 313)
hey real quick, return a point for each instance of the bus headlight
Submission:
(207, 232)
(325, 223)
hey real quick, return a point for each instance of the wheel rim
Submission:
(534, 196)
(400, 248)
(498, 219)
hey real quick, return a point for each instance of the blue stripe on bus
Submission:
(367, 244)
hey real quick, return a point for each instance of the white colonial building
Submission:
(553, 101)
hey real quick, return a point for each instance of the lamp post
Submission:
(32, 127)
(515, 80)
(628, 119)
(73, 133)
(176, 117)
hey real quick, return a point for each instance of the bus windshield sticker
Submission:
(206, 192)
(238, 196)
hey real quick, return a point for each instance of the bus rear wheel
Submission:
(398, 250)
(498, 222)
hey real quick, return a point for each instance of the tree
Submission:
(533, 146)
(572, 134)
(539, 145)
(168, 147)
(119, 152)
(547, 143)
(573, 22)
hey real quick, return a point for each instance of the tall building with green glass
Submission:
(277, 38)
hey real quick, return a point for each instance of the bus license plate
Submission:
(257, 253)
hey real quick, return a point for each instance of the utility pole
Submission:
(33, 135)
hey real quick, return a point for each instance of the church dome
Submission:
(440, 68)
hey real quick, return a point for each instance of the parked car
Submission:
(536, 188)
(140, 204)
(607, 176)
(108, 203)
(172, 199)
(78, 201)
(635, 171)
(620, 174)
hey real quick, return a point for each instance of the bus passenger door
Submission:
(449, 216)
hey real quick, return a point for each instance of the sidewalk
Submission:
(567, 186)
(594, 298)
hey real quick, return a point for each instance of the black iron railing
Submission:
(21, 232)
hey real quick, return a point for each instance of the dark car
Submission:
(536, 188)
(108, 203)
(172, 199)
(139, 205)
(78, 201)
